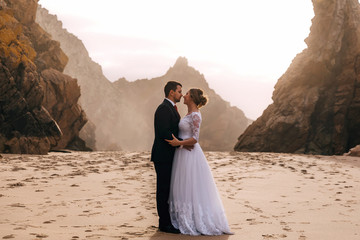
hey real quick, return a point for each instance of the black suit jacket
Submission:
(166, 122)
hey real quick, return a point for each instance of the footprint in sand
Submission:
(20, 228)
(17, 205)
(287, 228)
(9, 236)
(273, 236)
(48, 222)
(39, 235)
(15, 169)
(14, 185)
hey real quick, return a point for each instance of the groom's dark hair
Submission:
(171, 85)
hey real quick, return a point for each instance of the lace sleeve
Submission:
(195, 125)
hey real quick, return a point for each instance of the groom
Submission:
(166, 123)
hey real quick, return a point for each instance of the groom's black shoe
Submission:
(169, 229)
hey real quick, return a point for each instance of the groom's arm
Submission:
(162, 123)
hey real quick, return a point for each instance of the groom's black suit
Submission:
(166, 122)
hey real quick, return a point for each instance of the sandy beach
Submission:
(111, 195)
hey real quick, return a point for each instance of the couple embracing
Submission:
(186, 195)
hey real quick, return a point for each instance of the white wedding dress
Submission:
(195, 204)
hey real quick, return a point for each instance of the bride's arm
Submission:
(195, 128)
(176, 142)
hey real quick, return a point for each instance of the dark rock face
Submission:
(26, 126)
(316, 106)
(123, 111)
(61, 96)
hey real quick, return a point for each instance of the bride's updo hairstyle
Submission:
(197, 95)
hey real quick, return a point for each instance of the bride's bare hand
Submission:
(174, 142)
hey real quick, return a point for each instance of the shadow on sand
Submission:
(168, 236)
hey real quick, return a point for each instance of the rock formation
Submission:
(355, 151)
(124, 120)
(316, 103)
(97, 92)
(221, 123)
(61, 96)
(26, 126)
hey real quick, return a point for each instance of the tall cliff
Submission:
(27, 125)
(123, 111)
(316, 106)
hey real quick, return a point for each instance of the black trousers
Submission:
(163, 178)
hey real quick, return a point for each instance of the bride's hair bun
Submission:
(198, 97)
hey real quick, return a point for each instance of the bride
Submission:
(195, 204)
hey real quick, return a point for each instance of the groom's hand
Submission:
(174, 142)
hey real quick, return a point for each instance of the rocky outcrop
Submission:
(26, 126)
(123, 111)
(355, 152)
(61, 100)
(221, 123)
(48, 51)
(316, 106)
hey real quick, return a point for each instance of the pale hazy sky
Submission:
(241, 46)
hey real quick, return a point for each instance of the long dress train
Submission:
(195, 204)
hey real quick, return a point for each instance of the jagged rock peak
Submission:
(181, 62)
(316, 105)
(51, 19)
(182, 67)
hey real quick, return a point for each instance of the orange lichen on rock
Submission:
(14, 46)
(25, 51)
